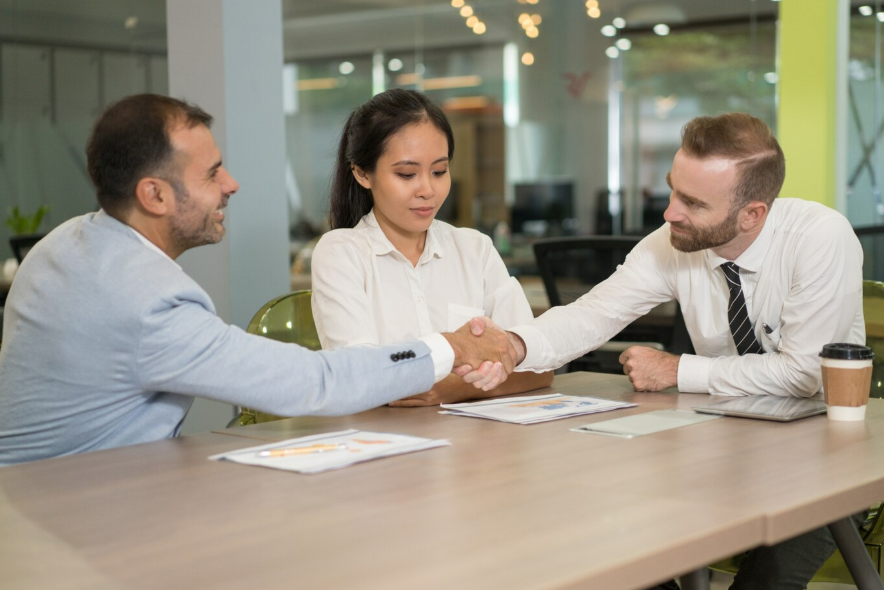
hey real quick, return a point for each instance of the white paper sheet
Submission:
(534, 408)
(359, 446)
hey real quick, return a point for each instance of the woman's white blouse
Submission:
(366, 292)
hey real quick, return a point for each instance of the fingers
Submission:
(462, 370)
(488, 376)
(477, 325)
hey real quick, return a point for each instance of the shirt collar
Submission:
(152, 246)
(752, 258)
(381, 245)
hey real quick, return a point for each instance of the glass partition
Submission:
(60, 64)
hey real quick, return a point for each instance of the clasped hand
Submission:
(483, 354)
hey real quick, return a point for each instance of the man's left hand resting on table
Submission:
(650, 369)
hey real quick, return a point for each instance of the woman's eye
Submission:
(405, 176)
(440, 172)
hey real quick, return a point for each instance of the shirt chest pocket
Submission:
(770, 341)
(458, 315)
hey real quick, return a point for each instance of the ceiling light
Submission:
(618, 22)
(532, 32)
(880, 17)
(394, 65)
(527, 58)
(661, 29)
(623, 44)
(457, 3)
(479, 28)
(466, 11)
(346, 67)
(609, 30)
(535, 18)
(612, 52)
(594, 12)
(866, 10)
(592, 3)
(771, 77)
(471, 22)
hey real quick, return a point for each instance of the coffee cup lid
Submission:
(843, 351)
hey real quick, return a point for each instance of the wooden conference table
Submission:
(506, 506)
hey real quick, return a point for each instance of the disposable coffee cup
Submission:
(847, 376)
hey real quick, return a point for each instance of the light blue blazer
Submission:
(105, 343)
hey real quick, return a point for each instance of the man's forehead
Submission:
(712, 165)
(193, 141)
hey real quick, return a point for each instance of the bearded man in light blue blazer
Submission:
(106, 340)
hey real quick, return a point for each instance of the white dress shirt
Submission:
(367, 292)
(802, 280)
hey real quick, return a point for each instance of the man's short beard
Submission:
(708, 237)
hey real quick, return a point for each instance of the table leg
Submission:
(855, 555)
(696, 580)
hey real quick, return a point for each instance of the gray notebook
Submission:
(647, 423)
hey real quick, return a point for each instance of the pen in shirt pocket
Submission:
(767, 329)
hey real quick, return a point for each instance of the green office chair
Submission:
(288, 319)
(835, 570)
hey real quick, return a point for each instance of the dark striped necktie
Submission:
(737, 316)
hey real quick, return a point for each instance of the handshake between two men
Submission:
(484, 355)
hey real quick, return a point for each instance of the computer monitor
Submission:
(544, 209)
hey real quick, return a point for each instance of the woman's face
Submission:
(411, 180)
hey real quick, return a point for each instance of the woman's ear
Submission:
(361, 177)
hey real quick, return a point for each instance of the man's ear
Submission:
(754, 213)
(361, 177)
(154, 196)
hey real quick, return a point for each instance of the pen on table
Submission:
(303, 450)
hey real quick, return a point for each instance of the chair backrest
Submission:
(22, 244)
(288, 319)
(873, 312)
(570, 267)
(872, 240)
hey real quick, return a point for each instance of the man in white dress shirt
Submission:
(793, 282)
(763, 283)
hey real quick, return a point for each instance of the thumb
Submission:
(477, 326)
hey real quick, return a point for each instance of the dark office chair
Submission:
(23, 243)
(872, 240)
(570, 267)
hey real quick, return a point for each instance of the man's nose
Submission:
(230, 184)
(673, 214)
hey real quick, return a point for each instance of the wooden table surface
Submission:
(506, 506)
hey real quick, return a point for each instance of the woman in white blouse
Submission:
(388, 271)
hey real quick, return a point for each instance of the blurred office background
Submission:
(566, 113)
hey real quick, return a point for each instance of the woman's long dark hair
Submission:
(364, 140)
